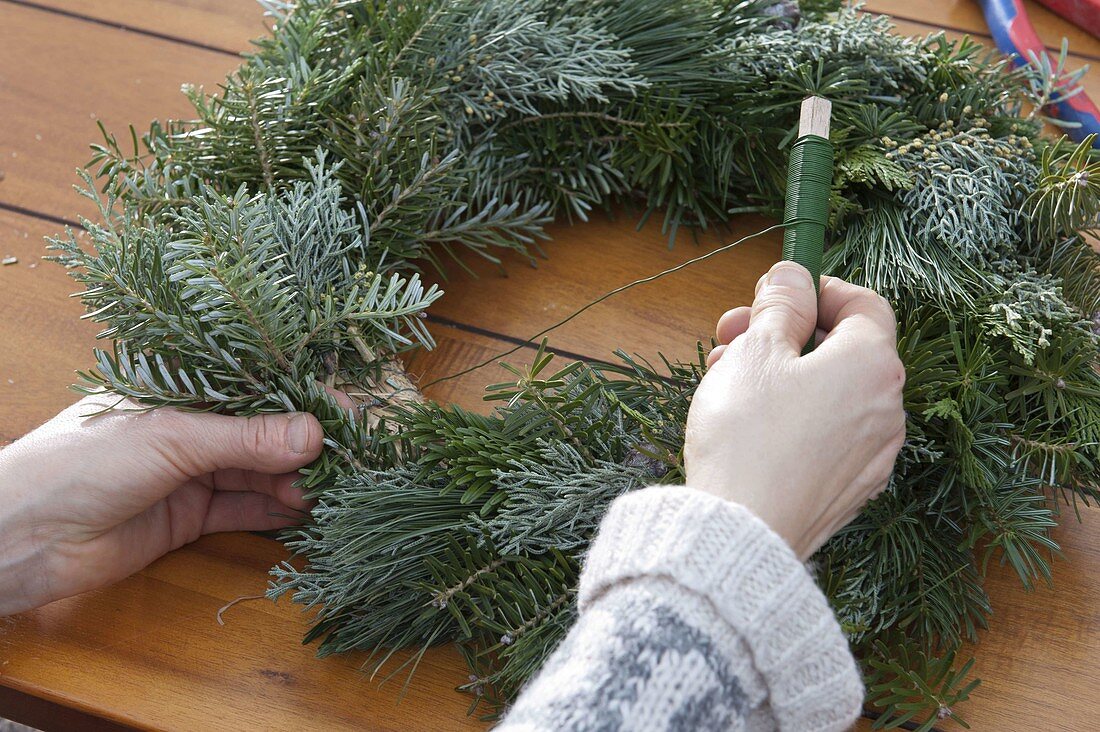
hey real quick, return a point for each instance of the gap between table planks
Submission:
(1065, 622)
(222, 26)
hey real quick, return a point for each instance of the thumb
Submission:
(200, 443)
(785, 308)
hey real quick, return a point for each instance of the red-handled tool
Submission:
(1085, 14)
(1015, 36)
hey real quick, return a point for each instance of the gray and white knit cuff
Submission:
(720, 550)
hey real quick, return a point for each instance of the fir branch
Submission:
(249, 93)
(442, 597)
(601, 116)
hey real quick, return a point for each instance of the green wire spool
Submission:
(809, 181)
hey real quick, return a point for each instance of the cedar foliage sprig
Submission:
(269, 247)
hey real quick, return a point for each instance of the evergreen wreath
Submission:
(270, 247)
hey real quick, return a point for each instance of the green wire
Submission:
(809, 181)
(606, 295)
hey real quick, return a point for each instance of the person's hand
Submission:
(88, 500)
(801, 441)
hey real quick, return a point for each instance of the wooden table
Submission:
(148, 653)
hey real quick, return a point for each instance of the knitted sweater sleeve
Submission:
(694, 615)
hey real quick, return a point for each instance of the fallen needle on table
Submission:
(233, 602)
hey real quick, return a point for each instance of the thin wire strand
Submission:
(616, 291)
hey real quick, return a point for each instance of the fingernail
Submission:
(788, 276)
(297, 433)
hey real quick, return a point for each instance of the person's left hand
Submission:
(88, 500)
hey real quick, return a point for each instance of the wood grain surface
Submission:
(148, 653)
(964, 16)
(225, 26)
(60, 76)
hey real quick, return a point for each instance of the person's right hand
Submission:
(801, 441)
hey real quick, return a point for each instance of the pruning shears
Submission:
(1015, 35)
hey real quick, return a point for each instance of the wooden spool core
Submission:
(814, 119)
